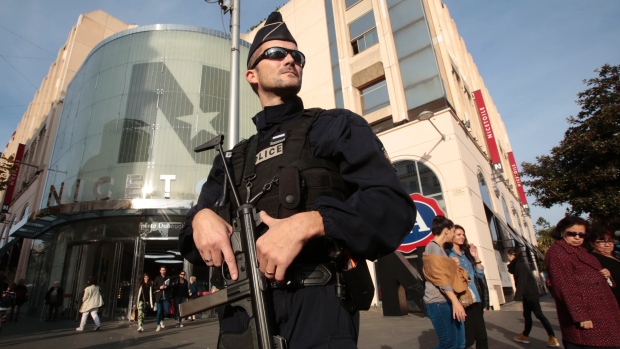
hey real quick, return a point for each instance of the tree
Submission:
(583, 171)
(543, 234)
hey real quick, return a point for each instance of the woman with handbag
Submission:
(144, 299)
(446, 293)
(91, 302)
(467, 255)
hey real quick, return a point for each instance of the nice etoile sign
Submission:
(421, 233)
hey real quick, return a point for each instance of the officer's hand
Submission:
(281, 243)
(212, 239)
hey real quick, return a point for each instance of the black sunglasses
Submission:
(280, 53)
(574, 234)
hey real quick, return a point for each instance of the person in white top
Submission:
(91, 302)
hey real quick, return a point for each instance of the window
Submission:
(374, 97)
(350, 3)
(506, 212)
(363, 32)
(419, 178)
(484, 190)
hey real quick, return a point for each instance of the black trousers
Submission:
(531, 304)
(307, 317)
(52, 309)
(475, 328)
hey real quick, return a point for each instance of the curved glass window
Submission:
(419, 178)
(484, 190)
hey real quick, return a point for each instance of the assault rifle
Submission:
(250, 290)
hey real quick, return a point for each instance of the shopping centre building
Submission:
(109, 171)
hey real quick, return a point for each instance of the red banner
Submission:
(515, 173)
(10, 189)
(488, 131)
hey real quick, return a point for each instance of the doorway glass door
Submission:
(112, 264)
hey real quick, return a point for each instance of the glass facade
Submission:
(134, 112)
(123, 171)
(418, 65)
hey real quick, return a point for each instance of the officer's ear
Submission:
(252, 78)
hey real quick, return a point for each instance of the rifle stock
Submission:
(250, 290)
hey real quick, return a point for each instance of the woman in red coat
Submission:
(587, 309)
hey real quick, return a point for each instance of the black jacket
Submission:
(180, 289)
(159, 293)
(59, 299)
(525, 282)
(376, 217)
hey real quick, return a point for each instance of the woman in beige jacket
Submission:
(91, 302)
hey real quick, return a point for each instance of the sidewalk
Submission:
(376, 332)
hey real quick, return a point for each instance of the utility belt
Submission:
(354, 287)
(302, 275)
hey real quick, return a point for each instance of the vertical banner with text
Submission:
(515, 173)
(10, 189)
(488, 131)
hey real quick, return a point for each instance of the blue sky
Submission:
(533, 55)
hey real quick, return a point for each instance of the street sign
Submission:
(421, 233)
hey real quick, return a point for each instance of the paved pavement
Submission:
(376, 332)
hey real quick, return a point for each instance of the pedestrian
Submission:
(162, 297)
(144, 299)
(587, 309)
(446, 292)
(91, 302)
(180, 293)
(7, 301)
(527, 292)
(602, 243)
(193, 293)
(21, 296)
(54, 298)
(469, 259)
(336, 186)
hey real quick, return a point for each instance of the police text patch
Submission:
(269, 153)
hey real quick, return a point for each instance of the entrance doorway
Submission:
(111, 262)
(119, 266)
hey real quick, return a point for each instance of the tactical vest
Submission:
(290, 178)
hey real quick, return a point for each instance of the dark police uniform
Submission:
(372, 222)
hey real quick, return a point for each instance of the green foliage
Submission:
(543, 234)
(583, 171)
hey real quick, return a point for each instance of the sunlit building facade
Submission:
(402, 65)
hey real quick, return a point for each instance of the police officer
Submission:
(331, 181)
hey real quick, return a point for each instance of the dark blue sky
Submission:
(533, 55)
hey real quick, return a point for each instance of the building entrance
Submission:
(119, 266)
(112, 263)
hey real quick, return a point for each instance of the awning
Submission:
(521, 239)
(48, 218)
(7, 247)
